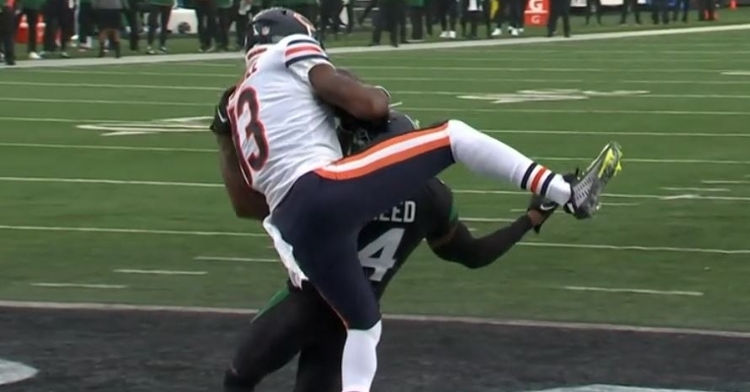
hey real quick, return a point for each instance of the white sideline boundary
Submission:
(402, 317)
(358, 49)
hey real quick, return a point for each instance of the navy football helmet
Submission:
(365, 134)
(271, 25)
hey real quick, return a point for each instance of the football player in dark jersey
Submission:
(299, 321)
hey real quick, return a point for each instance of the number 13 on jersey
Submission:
(249, 133)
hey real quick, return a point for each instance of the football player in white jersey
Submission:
(286, 148)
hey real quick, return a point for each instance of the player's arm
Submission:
(451, 240)
(247, 203)
(307, 60)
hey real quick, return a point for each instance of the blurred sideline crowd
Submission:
(78, 23)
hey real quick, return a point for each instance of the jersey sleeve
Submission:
(301, 54)
(443, 214)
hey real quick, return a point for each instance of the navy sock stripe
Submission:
(545, 184)
(527, 175)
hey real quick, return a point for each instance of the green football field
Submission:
(108, 177)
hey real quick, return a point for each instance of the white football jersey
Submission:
(281, 129)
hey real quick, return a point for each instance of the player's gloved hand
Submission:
(544, 206)
(220, 124)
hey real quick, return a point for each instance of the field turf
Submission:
(85, 200)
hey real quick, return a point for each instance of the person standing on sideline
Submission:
(597, 4)
(30, 9)
(85, 24)
(559, 8)
(387, 19)
(8, 31)
(224, 12)
(205, 13)
(417, 14)
(447, 12)
(132, 14)
(159, 12)
(241, 11)
(633, 6)
(109, 21)
(659, 8)
(57, 18)
(681, 5)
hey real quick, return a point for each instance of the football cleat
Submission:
(545, 206)
(587, 188)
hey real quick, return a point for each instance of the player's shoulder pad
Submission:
(300, 47)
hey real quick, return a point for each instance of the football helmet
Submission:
(357, 139)
(271, 25)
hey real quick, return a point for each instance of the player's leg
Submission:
(286, 325)
(319, 365)
(323, 247)
(390, 170)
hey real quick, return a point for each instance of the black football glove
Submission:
(545, 206)
(220, 125)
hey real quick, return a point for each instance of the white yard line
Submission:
(442, 79)
(402, 317)
(694, 189)
(109, 230)
(634, 291)
(727, 182)
(395, 92)
(486, 220)
(413, 109)
(458, 191)
(403, 48)
(620, 204)
(530, 244)
(157, 272)
(244, 259)
(80, 285)
(736, 73)
(637, 248)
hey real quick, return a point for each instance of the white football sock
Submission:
(360, 360)
(490, 157)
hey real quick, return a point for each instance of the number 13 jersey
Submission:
(280, 129)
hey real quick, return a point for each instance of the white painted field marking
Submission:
(524, 58)
(728, 182)
(680, 197)
(736, 73)
(414, 109)
(462, 80)
(613, 195)
(80, 285)
(110, 230)
(466, 191)
(504, 109)
(245, 259)
(694, 189)
(104, 102)
(395, 92)
(60, 120)
(105, 147)
(111, 86)
(487, 220)
(112, 182)
(403, 317)
(531, 244)
(424, 46)
(628, 133)
(603, 51)
(634, 291)
(158, 272)
(637, 248)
